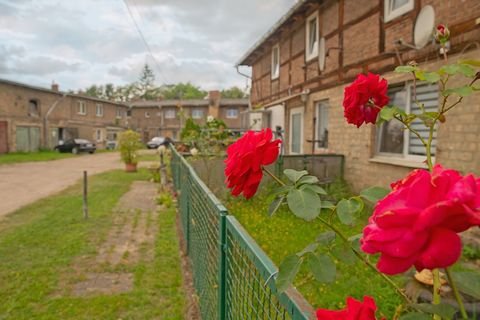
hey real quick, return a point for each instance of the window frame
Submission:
(98, 138)
(311, 55)
(405, 155)
(118, 113)
(325, 104)
(82, 107)
(147, 114)
(230, 116)
(390, 14)
(168, 111)
(99, 106)
(294, 111)
(275, 68)
(197, 116)
(36, 112)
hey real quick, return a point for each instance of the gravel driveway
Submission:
(24, 183)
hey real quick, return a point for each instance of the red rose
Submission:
(417, 223)
(442, 34)
(245, 159)
(364, 98)
(355, 310)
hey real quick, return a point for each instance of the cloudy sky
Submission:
(83, 42)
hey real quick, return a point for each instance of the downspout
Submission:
(247, 125)
(45, 119)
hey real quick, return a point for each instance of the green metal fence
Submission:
(233, 277)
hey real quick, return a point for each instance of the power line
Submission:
(145, 41)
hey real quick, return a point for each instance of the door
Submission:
(3, 137)
(27, 139)
(296, 131)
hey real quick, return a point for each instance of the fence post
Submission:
(222, 270)
(85, 201)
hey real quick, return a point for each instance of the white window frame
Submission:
(99, 107)
(170, 114)
(118, 113)
(99, 135)
(314, 53)
(147, 114)
(275, 66)
(81, 107)
(391, 14)
(405, 155)
(290, 134)
(326, 105)
(231, 113)
(197, 113)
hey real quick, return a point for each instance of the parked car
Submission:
(155, 142)
(76, 145)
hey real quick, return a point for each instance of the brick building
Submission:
(295, 90)
(166, 117)
(32, 117)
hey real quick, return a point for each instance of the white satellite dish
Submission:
(321, 54)
(424, 27)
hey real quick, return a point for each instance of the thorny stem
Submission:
(345, 239)
(456, 294)
(411, 130)
(436, 291)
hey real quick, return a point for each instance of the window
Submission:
(321, 124)
(275, 61)
(119, 113)
(395, 8)
(159, 114)
(99, 110)
(129, 113)
(147, 114)
(170, 114)
(312, 37)
(33, 108)
(232, 113)
(392, 139)
(296, 130)
(197, 113)
(82, 108)
(98, 135)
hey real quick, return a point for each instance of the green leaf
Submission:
(315, 188)
(309, 249)
(420, 75)
(468, 282)
(467, 71)
(461, 91)
(443, 310)
(304, 203)
(387, 113)
(322, 267)
(373, 194)
(346, 210)
(327, 205)
(294, 175)
(275, 205)
(287, 271)
(326, 237)
(475, 63)
(405, 69)
(282, 190)
(450, 69)
(431, 77)
(345, 254)
(415, 316)
(308, 180)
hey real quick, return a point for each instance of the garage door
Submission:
(3, 137)
(28, 139)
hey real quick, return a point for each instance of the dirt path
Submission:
(24, 183)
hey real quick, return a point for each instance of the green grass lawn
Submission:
(17, 157)
(284, 234)
(39, 243)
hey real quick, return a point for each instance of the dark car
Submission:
(76, 145)
(155, 142)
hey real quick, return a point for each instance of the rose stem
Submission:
(274, 177)
(436, 290)
(456, 294)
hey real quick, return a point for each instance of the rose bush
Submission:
(355, 310)
(364, 98)
(245, 158)
(418, 222)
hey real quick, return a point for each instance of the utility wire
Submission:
(145, 41)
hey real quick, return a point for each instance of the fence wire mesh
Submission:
(233, 277)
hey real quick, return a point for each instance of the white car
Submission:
(155, 142)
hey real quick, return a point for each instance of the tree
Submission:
(182, 91)
(146, 84)
(233, 93)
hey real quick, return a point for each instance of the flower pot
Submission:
(130, 167)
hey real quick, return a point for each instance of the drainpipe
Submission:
(45, 119)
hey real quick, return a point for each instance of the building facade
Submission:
(302, 65)
(32, 118)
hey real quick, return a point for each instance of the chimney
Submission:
(55, 86)
(214, 103)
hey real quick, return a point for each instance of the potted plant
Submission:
(129, 143)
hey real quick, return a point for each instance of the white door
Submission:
(296, 131)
